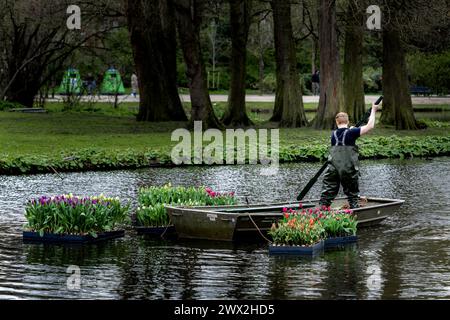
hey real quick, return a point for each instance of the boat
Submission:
(252, 222)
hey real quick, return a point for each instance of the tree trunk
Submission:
(397, 103)
(330, 71)
(153, 39)
(288, 109)
(24, 90)
(261, 67)
(353, 64)
(188, 22)
(236, 114)
(261, 64)
(314, 47)
(24, 78)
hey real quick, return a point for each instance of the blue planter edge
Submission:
(296, 250)
(155, 231)
(340, 241)
(30, 236)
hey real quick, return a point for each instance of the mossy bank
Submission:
(113, 159)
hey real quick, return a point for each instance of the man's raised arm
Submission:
(371, 124)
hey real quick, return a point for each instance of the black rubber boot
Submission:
(351, 188)
(330, 188)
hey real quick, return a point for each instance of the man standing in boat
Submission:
(343, 167)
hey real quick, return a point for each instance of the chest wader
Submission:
(343, 168)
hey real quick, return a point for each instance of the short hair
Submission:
(342, 118)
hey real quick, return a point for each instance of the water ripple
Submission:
(406, 257)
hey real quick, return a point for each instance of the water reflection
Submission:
(406, 257)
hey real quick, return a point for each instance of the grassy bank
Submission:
(105, 139)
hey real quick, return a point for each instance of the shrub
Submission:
(431, 70)
(7, 105)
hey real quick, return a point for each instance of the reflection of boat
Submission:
(228, 223)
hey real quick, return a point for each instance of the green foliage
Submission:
(304, 152)
(83, 160)
(372, 79)
(336, 223)
(71, 215)
(404, 147)
(151, 210)
(339, 225)
(307, 227)
(270, 82)
(374, 148)
(153, 216)
(7, 105)
(317, 150)
(435, 124)
(431, 70)
(298, 231)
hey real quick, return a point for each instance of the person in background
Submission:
(134, 85)
(90, 84)
(315, 79)
(343, 168)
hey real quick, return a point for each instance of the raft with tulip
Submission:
(201, 213)
(309, 232)
(73, 219)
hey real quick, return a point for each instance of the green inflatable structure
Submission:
(71, 83)
(112, 83)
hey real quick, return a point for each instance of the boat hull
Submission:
(252, 222)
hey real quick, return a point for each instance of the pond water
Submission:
(408, 256)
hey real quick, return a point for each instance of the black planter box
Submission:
(297, 250)
(331, 243)
(58, 238)
(156, 231)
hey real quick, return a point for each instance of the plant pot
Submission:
(29, 236)
(168, 231)
(339, 241)
(297, 250)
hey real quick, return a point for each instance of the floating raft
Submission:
(331, 243)
(156, 231)
(297, 250)
(73, 239)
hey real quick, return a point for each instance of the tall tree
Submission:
(261, 38)
(35, 44)
(236, 114)
(153, 38)
(188, 16)
(289, 110)
(397, 104)
(330, 71)
(354, 102)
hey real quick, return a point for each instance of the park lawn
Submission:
(109, 129)
(50, 134)
(259, 112)
(99, 137)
